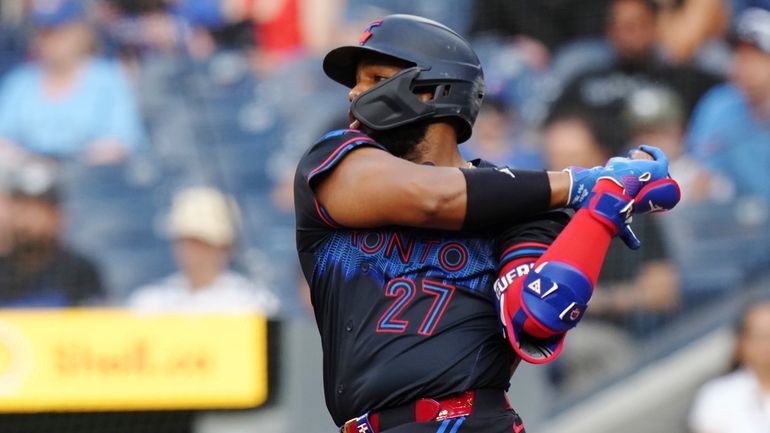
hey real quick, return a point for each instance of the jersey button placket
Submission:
(340, 389)
(349, 326)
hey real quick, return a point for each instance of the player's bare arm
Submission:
(372, 188)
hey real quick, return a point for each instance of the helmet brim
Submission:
(340, 63)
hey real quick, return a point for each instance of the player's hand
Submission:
(652, 195)
(656, 195)
(644, 164)
(634, 174)
(581, 181)
(609, 204)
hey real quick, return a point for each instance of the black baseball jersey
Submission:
(404, 313)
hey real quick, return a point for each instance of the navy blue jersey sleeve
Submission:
(316, 163)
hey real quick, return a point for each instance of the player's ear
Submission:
(426, 93)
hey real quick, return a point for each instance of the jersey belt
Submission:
(422, 410)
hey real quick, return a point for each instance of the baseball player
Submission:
(401, 241)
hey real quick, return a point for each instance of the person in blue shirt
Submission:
(730, 129)
(68, 103)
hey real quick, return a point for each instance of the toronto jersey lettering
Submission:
(403, 313)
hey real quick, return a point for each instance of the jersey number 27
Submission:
(403, 291)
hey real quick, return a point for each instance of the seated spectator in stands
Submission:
(631, 33)
(149, 28)
(656, 117)
(455, 14)
(500, 138)
(203, 226)
(551, 22)
(739, 402)
(11, 159)
(739, 6)
(68, 103)
(635, 288)
(12, 45)
(40, 271)
(684, 26)
(730, 129)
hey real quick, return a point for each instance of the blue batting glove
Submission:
(658, 196)
(629, 237)
(582, 181)
(633, 174)
(613, 210)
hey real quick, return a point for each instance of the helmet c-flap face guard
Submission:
(445, 66)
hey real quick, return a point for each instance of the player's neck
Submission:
(439, 147)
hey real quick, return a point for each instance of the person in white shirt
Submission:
(739, 402)
(203, 225)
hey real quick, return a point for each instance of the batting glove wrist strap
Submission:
(582, 181)
(609, 205)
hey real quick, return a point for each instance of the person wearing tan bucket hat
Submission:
(203, 225)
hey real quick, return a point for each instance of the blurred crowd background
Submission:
(148, 147)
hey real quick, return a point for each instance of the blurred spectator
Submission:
(552, 22)
(632, 37)
(203, 226)
(739, 402)
(455, 14)
(685, 26)
(154, 29)
(284, 29)
(274, 32)
(12, 45)
(139, 28)
(656, 117)
(498, 138)
(738, 6)
(68, 103)
(579, 137)
(730, 130)
(11, 158)
(634, 288)
(39, 271)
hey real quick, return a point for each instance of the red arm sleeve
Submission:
(543, 297)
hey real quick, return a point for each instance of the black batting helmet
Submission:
(443, 62)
